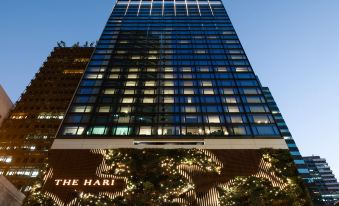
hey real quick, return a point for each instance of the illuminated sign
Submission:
(85, 182)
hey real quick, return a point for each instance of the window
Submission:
(168, 76)
(233, 109)
(213, 119)
(132, 76)
(168, 100)
(188, 83)
(261, 119)
(131, 84)
(125, 110)
(150, 83)
(114, 76)
(129, 91)
(169, 91)
(127, 100)
(149, 91)
(208, 91)
(239, 130)
(97, 130)
(228, 91)
(145, 131)
(121, 131)
(73, 130)
(265, 130)
(251, 91)
(254, 100)
(258, 109)
(84, 109)
(168, 83)
(148, 100)
(104, 109)
(206, 83)
(236, 119)
(109, 91)
(230, 100)
(189, 109)
(188, 91)
(93, 76)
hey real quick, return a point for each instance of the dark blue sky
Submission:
(293, 47)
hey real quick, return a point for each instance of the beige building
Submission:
(5, 105)
(9, 195)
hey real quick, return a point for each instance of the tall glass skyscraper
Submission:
(170, 70)
(169, 92)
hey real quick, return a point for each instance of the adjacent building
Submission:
(171, 76)
(325, 187)
(5, 105)
(27, 134)
(9, 194)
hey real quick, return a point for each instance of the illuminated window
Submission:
(206, 83)
(149, 91)
(50, 116)
(19, 116)
(168, 83)
(133, 70)
(213, 119)
(228, 91)
(103, 109)
(168, 76)
(97, 130)
(131, 83)
(129, 91)
(150, 83)
(125, 109)
(188, 91)
(188, 83)
(168, 69)
(152, 57)
(208, 91)
(73, 130)
(121, 131)
(73, 71)
(236, 119)
(189, 109)
(232, 109)
(6, 159)
(93, 76)
(83, 60)
(136, 57)
(132, 76)
(124, 119)
(84, 109)
(113, 76)
(148, 100)
(222, 69)
(169, 91)
(168, 100)
(145, 130)
(109, 91)
(127, 100)
(186, 69)
(230, 100)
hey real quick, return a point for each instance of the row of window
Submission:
(267, 130)
(187, 119)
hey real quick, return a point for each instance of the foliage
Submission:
(153, 176)
(259, 191)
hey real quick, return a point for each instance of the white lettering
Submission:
(97, 182)
(57, 181)
(87, 182)
(75, 182)
(66, 182)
